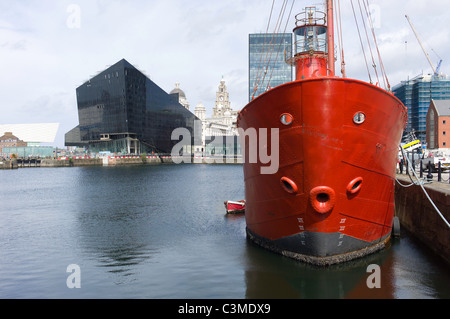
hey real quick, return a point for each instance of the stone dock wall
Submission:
(418, 215)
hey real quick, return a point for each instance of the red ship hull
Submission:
(332, 198)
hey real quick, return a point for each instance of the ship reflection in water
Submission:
(403, 266)
(162, 232)
(283, 279)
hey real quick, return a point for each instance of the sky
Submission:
(50, 47)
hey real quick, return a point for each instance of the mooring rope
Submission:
(421, 185)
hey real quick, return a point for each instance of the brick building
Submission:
(438, 124)
(10, 140)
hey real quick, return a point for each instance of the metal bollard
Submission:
(421, 168)
(439, 172)
(429, 175)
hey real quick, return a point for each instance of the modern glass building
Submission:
(29, 151)
(122, 111)
(267, 61)
(416, 94)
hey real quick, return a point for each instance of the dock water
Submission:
(413, 208)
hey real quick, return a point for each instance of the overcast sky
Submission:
(50, 47)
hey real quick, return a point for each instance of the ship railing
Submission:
(302, 49)
(310, 45)
(311, 16)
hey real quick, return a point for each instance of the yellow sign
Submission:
(412, 146)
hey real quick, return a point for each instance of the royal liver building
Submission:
(219, 133)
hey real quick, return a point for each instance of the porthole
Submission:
(359, 118)
(286, 119)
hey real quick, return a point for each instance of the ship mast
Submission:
(330, 35)
(314, 43)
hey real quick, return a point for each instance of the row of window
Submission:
(8, 140)
(108, 76)
(8, 145)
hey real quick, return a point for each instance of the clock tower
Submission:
(222, 101)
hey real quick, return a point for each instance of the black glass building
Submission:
(122, 111)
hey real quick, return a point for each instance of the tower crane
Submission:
(435, 70)
(440, 61)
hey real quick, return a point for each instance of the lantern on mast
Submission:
(311, 46)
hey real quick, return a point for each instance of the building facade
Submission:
(219, 132)
(8, 140)
(120, 110)
(28, 151)
(438, 124)
(267, 62)
(417, 94)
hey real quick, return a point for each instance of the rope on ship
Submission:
(275, 34)
(265, 70)
(366, 16)
(264, 64)
(362, 45)
(262, 52)
(420, 183)
(278, 51)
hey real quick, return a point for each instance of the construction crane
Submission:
(440, 61)
(435, 70)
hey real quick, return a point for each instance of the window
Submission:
(443, 122)
(359, 118)
(286, 119)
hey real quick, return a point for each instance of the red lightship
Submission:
(332, 198)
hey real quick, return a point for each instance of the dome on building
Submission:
(178, 90)
(200, 106)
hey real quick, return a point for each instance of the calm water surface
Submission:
(161, 232)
